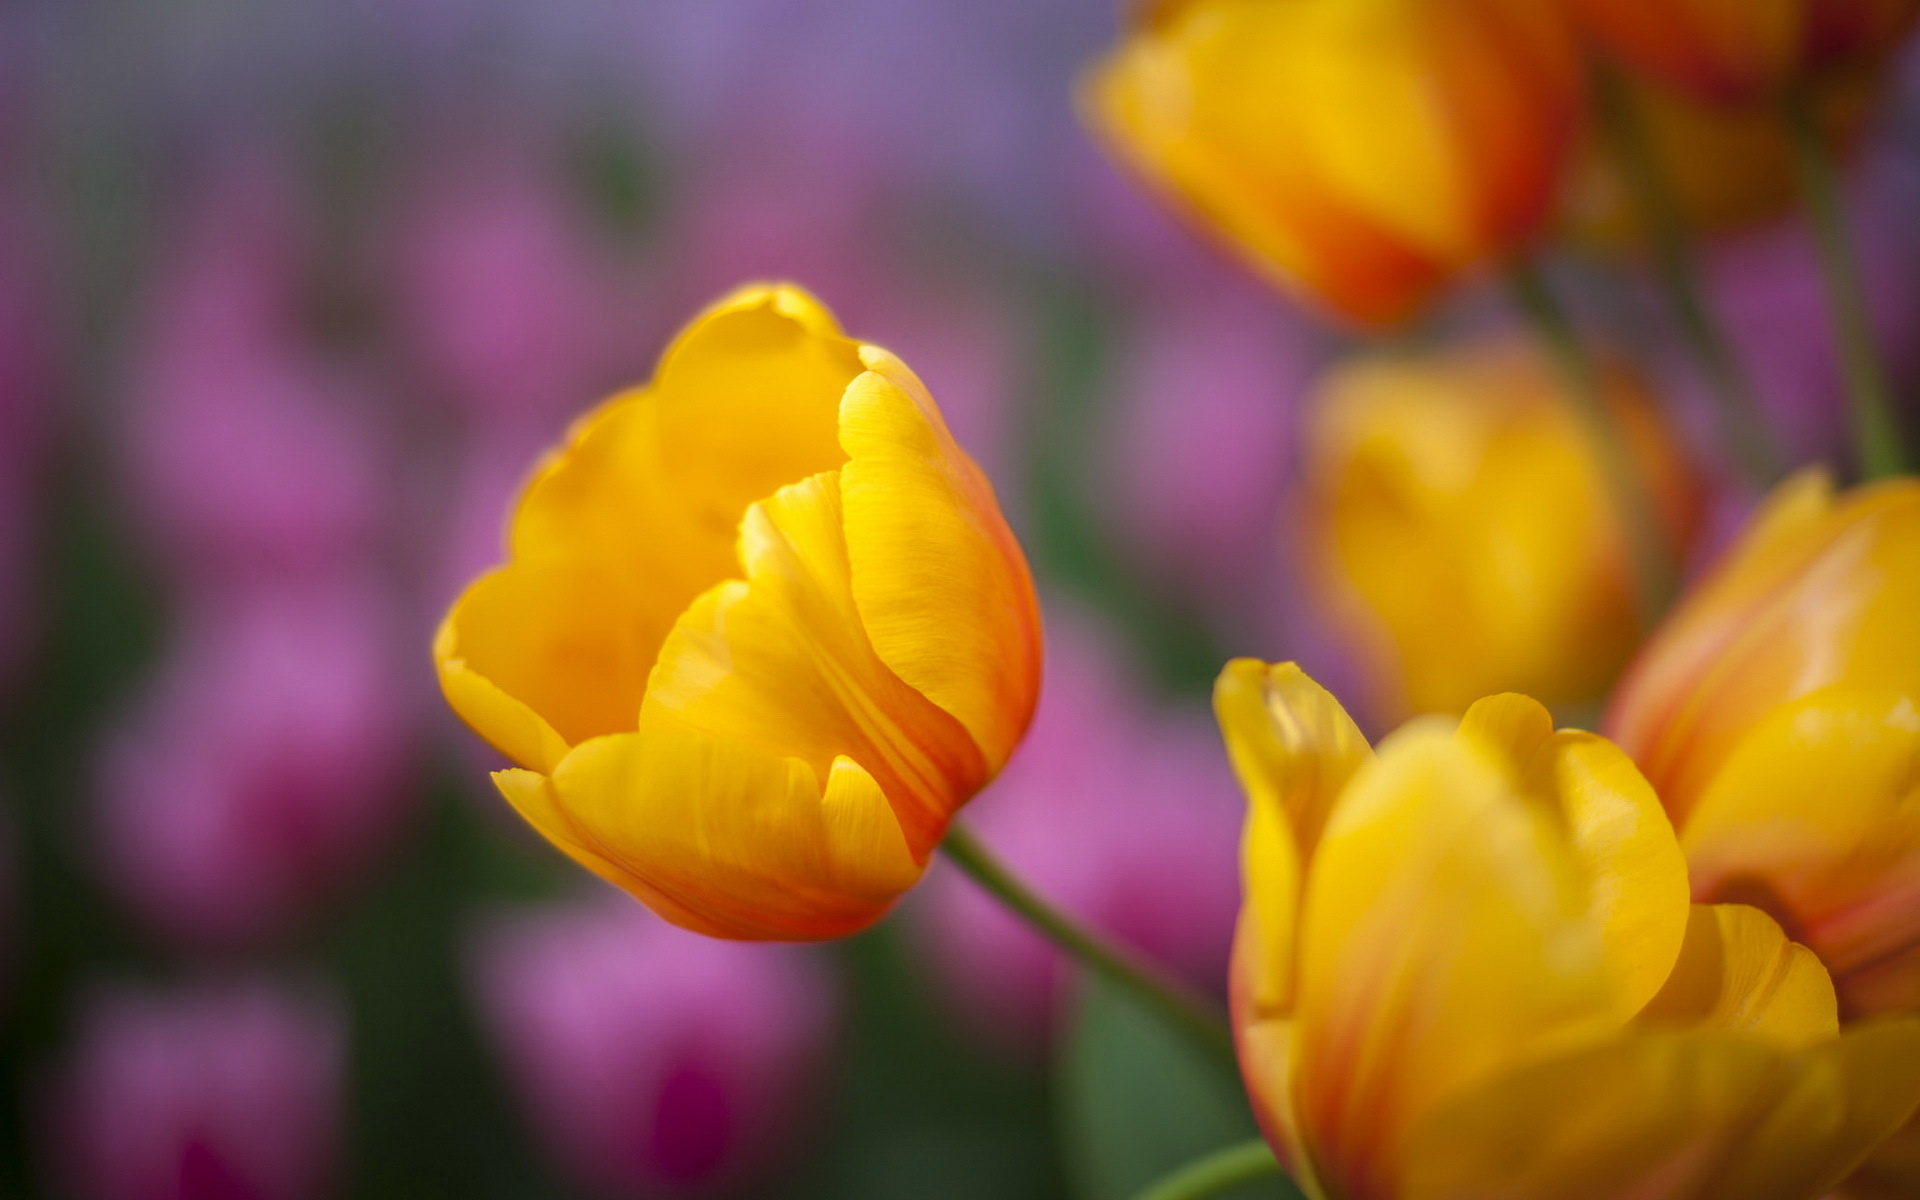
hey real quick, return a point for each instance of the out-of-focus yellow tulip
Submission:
(1467, 968)
(761, 632)
(1778, 714)
(1364, 152)
(1740, 50)
(1458, 530)
(1728, 165)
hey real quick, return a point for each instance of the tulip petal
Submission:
(532, 796)
(1653, 1117)
(638, 513)
(540, 656)
(1444, 937)
(940, 582)
(1816, 817)
(1636, 877)
(1848, 1097)
(1294, 749)
(654, 482)
(1265, 1049)
(724, 839)
(1738, 971)
(783, 662)
(1823, 592)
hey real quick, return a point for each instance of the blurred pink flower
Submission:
(227, 1091)
(244, 466)
(501, 287)
(1123, 812)
(654, 1062)
(245, 451)
(265, 765)
(1200, 445)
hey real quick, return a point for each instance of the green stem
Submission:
(1670, 243)
(1869, 394)
(1216, 1173)
(1651, 557)
(1179, 1005)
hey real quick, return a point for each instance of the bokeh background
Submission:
(291, 294)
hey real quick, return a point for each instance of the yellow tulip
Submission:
(1778, 714)
(1458, 530)
(1740, 50)
(1364, 152)
(761, 632)
(1467, 969)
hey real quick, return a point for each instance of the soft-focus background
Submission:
(291, 294)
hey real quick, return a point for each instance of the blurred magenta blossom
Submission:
(1201, 438)
(501, 288)
(654, 1062)
(217, 1091)
(1121, 811)
(246, 451)
(265, 765)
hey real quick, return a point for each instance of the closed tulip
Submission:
(1459, 533)
(1364, 152)
(762, 631)
(1776, 713)
(1467, 967)
(1733, 51)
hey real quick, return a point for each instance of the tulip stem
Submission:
(1216, 1173)
(1869, 394)
(1650, 555)
(1670, 242)
(1174, 1001)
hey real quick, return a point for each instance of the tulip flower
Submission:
(1729, 53)
(653, 1062)
(1457, 527)
(1363, 153)
(1776, 713)
(761, 633)
(205, 1093)
(1467, 967)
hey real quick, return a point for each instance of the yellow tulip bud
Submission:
(1732, 51)
(1459, 533)
(1778, 713)
(761, 632)
(1467, 967)
(1364, 152)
